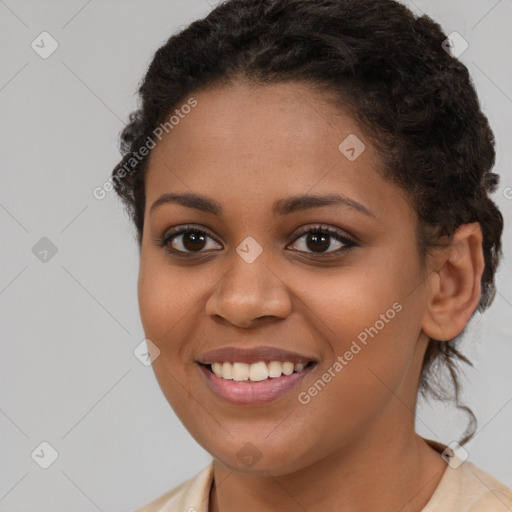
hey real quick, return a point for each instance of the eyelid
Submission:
(334, 232)
(181, 230)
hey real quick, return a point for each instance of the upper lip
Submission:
(252, 355)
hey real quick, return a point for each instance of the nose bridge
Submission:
(250, 289)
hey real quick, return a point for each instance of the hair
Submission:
(385, 66)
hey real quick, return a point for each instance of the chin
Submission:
(262, 458)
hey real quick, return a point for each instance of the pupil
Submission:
(195, 241)
(319, 238)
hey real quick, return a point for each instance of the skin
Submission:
(353, 446)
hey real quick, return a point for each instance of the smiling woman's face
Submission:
(257, 279)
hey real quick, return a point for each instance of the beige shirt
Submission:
(465, 488)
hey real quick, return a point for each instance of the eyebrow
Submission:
(281, 207)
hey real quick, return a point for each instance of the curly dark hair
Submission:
(389, 68)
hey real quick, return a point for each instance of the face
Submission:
(257, 287)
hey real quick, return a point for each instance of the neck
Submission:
(395, 470)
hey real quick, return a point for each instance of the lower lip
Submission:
(253, 393)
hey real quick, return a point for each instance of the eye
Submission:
(191, 238)
(317, 239)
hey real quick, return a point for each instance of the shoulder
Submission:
(490, 495)
(190, 496)
(467, 488)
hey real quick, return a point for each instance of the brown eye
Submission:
(185, 240)
(319, 239)
(189, 239)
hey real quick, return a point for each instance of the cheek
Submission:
(349, 300)
(372, 357)
(371, 320)
(153, 302)
(171, 305)
(164, 313)
(162, 297)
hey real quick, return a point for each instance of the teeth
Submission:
(275, 368)
(241, 371)
(227, 371)
(217, 369)
(288, 368)
(255, 372)
(258, 371)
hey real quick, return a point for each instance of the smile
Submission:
(255, 372)
(254, 384)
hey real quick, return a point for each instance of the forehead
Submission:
(274, 121)
(267, 142)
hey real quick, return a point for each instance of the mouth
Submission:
(259, 383)
(255, 372)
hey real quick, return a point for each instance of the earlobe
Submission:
(455, 287)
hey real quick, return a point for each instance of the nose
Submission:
(249, 294)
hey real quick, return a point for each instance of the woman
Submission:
(309, 181)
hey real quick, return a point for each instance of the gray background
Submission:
(68, 374)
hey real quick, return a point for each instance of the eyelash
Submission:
(317, 230)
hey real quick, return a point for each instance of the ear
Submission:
(455, 284)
